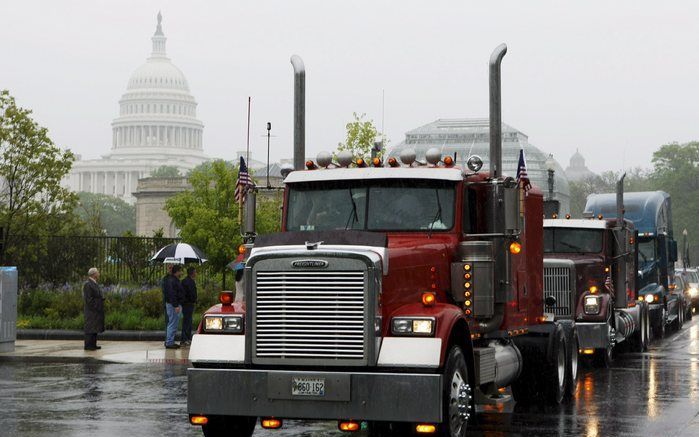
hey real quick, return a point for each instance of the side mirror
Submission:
(550, 301)
(673, 250)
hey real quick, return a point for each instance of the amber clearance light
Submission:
(226, 297)
(448, 161)
(348, 426)
(515, 248)
(271, 423)
(198, 420)
(425, 428)
(429, 298)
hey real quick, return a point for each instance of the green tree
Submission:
(166, 171)
(636, 180)
(361, 136)
(207, 215)
(676, 171)
(31, 171)
(106, 214)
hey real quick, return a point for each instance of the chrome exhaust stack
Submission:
(299, 112)
(621, 248)
(496, 111)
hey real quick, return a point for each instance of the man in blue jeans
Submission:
(174, 297)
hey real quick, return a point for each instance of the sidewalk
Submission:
(71, 351)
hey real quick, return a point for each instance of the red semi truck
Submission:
(590, 277)
(398, 294)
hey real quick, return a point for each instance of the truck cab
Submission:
(580, 281)
(651, 215)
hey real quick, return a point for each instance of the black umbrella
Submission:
(179, 253)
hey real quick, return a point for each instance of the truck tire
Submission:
(572, 364)
(457, 396)
(544, 368)
(658, 326)
(639, 340)
(229, 426)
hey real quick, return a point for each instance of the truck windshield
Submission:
(570, 240)
(375, 205)
(646, 250)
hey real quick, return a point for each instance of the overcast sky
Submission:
(615, 79)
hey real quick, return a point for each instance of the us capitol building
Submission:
(157, 125)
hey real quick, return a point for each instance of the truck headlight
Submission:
(592, 305)
(223, 324)
(693, 292)
(649, 298)
(419, 326)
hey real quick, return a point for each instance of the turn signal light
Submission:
(429, 298)
(593, 289)
(349, 426)
(515, 248)
(271, 423)
(393, 162)
(198, 420)
(425, 428)
(226, 297)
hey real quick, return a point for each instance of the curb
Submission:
(64, 334)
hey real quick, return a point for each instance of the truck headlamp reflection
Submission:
(223, 324)
(419, 326)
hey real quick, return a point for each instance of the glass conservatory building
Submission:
(470, 136)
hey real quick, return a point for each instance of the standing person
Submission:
(175, 296)
(162, 286)
(94, 309)
(190, 300)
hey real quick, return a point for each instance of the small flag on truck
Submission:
(522, 177)
(244, 182)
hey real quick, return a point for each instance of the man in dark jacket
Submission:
(190, 299)
(162, 286)
(94, 309)
(174, 297)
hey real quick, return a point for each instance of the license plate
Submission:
(307, 386)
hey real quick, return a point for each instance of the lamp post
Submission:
(551, 169)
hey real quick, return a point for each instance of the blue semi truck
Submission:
(651, 215)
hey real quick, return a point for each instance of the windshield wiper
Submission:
(437, 216)
(353, 214)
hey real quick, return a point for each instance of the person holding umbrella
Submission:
(175, 297)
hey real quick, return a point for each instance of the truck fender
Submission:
(603, 315)
(451, 327)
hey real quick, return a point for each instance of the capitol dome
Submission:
(157, 126)
(466, 137)
(157, 113)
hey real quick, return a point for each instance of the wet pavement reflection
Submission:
(654, 393)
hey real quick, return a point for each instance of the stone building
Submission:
(151, 195)
(157, 125)
(577, 170)
(471, 136)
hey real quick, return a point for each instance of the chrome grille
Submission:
(557, 284)
(309, 314)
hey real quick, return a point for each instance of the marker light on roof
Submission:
(345, 158)
(360, 162)
(376, 162)
(324, 159)
(448, 161)
(310, 165)
(393, 162)
(407, 157)
(433, 156)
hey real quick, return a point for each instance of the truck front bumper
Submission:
(593, 335)
(399, 397)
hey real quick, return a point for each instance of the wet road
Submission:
(655, 393)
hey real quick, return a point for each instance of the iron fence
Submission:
(57, 260)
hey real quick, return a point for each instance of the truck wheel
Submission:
(554, 374)
(572, 363)
(229, 426)
(658, 325)
(639, 341)
(457, 395)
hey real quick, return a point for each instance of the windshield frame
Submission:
(368, 186)
(554, 247)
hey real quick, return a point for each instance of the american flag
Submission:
(244, 182)
(608, 282)
(522, 177)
